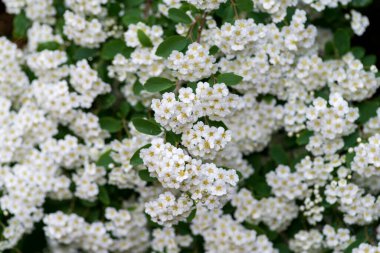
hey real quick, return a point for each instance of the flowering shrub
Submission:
(169, 126)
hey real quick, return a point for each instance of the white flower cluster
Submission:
(205, 141)
(47, 65)
(206, 4)
(37, 10)
(12, 79)
(357, 206)
(168, 209)
(154, 33)
(223, 234)
(40, 33)
(166, 240)
(286, 184)
(127, 229)
(279, 218)
(253, 126)
(359, 23)
(314, 241)
(204, 182)
(349, 78)
(277, 9)
(86, 7)
(306, 241)
(320, 5)
(87, 83)
(367, 158)
(330, 123)
(179, 115)
(82, 32)
(196, 64)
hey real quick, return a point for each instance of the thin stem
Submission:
(148, 6)
(233, 3)
(200, 29)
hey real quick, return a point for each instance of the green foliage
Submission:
(136, 159)
(144, 39)
(179, 16)
(229, 79)
(113, 47)
(105, 159)
(103, 196)
(51, 45)
(342, 41)
(146, 126)
(21, 25)
(145, 176)
(170, 44)
(110, 124)
(156, 84)
(303, 137)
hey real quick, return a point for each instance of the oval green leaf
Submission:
(146, 126)
(172, 43)
(229, 79)
(180, 16)
(157, 84)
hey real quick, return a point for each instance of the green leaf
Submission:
(358, 52)
(361, 3)
(124, 109)
(191, 216)
(342, 41)
(367, 110)
(136, 159)
(106, 101)
(170, 44)
(244, 5)
(278, 154)
(304, 137)
(51, 45)
(131, 16)
(133, 3)
(360, 238)
(369, 60)
(145, 176)
(145, 126)
(110, 124)
(172, 138)
(144, 39)
(349, 159)
(21, 25)
(156, 84)
(213, 50)
(137, 88)
(229, 79)
(351, 140)
(103, 196)
(180, 16)
(216, 123)
(79, 53)
(113, 47)
(105, 159)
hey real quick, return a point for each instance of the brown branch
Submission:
(200, 29)
(148, 7)
(233, 3)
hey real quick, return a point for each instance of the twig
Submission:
(148, 6)
(233, 3)
(200, 29)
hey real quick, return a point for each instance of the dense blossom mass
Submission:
(218, 126)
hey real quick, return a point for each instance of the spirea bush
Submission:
(168, 126)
